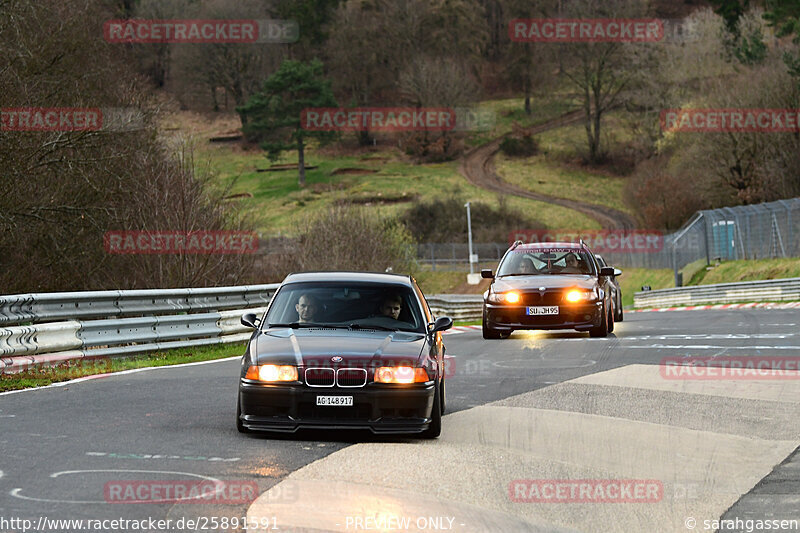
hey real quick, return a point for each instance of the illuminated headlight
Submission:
(272, 373)
(576, 296)
(400, 374)
(504, 298)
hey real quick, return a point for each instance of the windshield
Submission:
(350, 305)
(546, 261)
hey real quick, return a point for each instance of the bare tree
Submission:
(61, 191)
(692, 54)
(360, 58)
(601, 71)
(757, 166)
(156, 58)
(526, 65)
(237, 68)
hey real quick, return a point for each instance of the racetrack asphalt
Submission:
(540, 405)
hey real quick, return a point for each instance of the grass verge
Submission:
(40, 376)
(467, 323)
(632, 280)
(748, 270)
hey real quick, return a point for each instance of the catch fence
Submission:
(761, 231)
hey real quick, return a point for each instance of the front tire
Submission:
(602, 329)
(489, 332)
(239, 425)
(435, 427)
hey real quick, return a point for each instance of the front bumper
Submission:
(380, 409)
(580, 317)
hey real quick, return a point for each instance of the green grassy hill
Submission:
(387, 180)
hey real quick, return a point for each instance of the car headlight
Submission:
(504, 298)
(400, 374)
(576, 296)
(272, 373)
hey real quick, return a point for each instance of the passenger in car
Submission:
(526, 266)
(307, 308)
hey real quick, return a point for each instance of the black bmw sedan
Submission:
(341, 350)
(548, 286)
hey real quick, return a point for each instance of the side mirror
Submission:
(617, 272)
(487, 274)
(250, 320)
(442, 323)
(607, 271)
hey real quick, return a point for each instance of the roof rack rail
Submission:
(516, 243)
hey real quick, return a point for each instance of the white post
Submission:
(469, 232)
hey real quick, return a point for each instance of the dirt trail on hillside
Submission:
(478, 167)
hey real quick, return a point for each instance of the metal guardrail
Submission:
(126, 322)
(775, 290)
(134, 322)
(456, 306)
(47, 307)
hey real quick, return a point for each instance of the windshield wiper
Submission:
(295, 325)
(522, 274)
(370, 326)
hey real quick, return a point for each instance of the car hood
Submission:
(316, 346)
(533, 282)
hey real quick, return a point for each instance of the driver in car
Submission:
(391, 306)
(573, 265)
(307, 307)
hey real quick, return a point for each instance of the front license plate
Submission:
(535, 311)
(335, 401)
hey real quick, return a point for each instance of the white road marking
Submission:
(16, 493)
(548, 363)
(708, 347)
(123, 372)
(709, 336)
(114, 455)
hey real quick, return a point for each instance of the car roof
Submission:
(367, 277)
(540, 245)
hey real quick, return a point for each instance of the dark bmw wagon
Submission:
(339, 350)
(548, 286)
